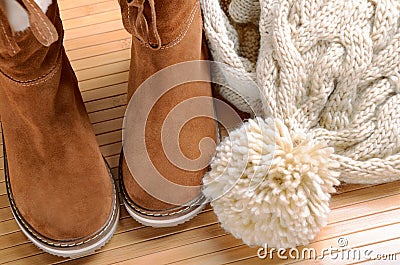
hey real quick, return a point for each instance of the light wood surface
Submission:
(98, 46)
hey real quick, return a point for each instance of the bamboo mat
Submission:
(99, 49)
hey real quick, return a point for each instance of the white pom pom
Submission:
(268, 186)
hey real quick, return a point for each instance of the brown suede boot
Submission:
(157, 189)
(61, 192)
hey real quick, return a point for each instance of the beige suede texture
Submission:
(179, 25)
(58, 179)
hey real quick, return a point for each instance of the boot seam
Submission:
(41, 18)
(181, 35)
(8, 38)
(38, 80)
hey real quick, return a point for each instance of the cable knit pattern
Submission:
(327, 69)
(251, 14)
(236, 47)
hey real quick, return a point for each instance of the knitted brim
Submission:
(329, 71)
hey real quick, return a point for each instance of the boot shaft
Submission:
(36, 79)
(28, 55)
(165, 33)
(157, 23)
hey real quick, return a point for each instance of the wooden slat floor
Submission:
(367, 216)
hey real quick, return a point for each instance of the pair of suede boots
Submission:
(60, 188)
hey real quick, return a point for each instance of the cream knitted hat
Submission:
(329, 72)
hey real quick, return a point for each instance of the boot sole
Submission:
(70, 253)
(161, 222)
(159, 218)
(63, 249)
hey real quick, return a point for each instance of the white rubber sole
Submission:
(170, 222)
(76, 252)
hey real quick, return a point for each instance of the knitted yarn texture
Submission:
(327, 70)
